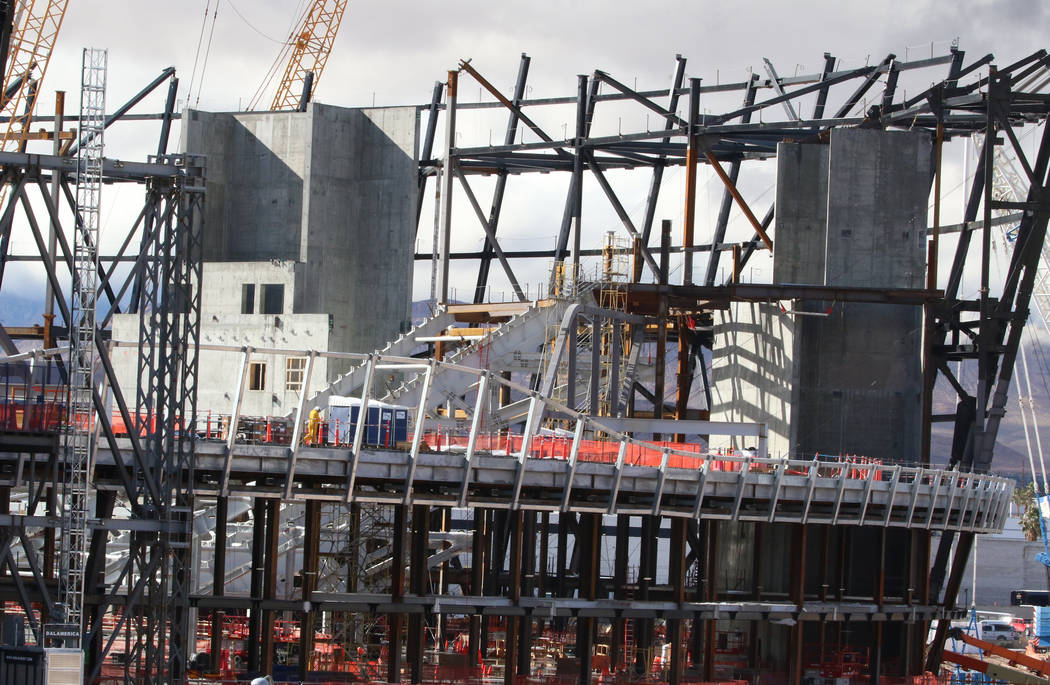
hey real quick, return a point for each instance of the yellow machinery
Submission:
(310, 46)
(35, 30)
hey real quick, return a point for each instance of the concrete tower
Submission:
(846, 380)
(308, 243)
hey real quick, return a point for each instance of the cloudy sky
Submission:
(391, 52)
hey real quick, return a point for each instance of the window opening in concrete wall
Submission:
(273, 298)
(257, 376)
(248, 298)
(293, 373)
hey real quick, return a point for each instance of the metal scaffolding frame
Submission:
(993, 102)
(163, 285)
(514, 564)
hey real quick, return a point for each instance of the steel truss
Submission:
(970, 98)
(153, 471)
(151, 598)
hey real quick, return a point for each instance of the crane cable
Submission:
(281, 57)
(207, 53)
(200, 42)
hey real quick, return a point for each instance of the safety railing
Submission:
(464, 423)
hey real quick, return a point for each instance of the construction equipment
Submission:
(310, 46)
(1003, 664)
(35, 30)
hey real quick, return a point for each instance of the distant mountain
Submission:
(20, 310)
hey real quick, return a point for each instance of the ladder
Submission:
(80, 425)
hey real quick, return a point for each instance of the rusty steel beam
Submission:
(731, 187)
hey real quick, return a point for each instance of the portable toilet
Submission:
(385, 425)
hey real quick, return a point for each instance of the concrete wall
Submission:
(851, 213)
(753, 372)
(332, 189)
(361, 217)
(1005, 562)
(223, 324)
(257, 166)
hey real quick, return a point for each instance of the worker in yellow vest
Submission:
(313, 426)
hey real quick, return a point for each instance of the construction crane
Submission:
(32, 37)
(308, 47)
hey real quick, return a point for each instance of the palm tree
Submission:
(1024, 498)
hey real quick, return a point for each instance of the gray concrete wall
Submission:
(223, 324)
(1005, 562)
(257, 165)
(851, 213)
(753, 372)
(860, 389)
(801, 213)
(361, 215)
(331, 189)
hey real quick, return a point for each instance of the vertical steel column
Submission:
(397, 589)
(487, 248)
(880, 589)
(53, 226)
(353, 566)
(710, 595)
(727, 199)
(545, 529)
(258, 557)
(659, 165)
(218, 580)
(692, 155)
(617, 647)
(511, 663)
(676, 579)
(577, 172)
(685, 374)
(563, 548)
(311, 552)
(273, 522)
(919, 590)
(661, 324)
(596, 366)
(477, 581)
(95, 576)
(571, 348)
(756, 562)
(587, 537)
(797, 590)
(527, 551)
(698, 537)
(643, 631)
(951, 591)
(427, 149)
(417, 586)
(447, 176)
(485, 586)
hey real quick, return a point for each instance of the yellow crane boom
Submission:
(36, 27)
(311, 45)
